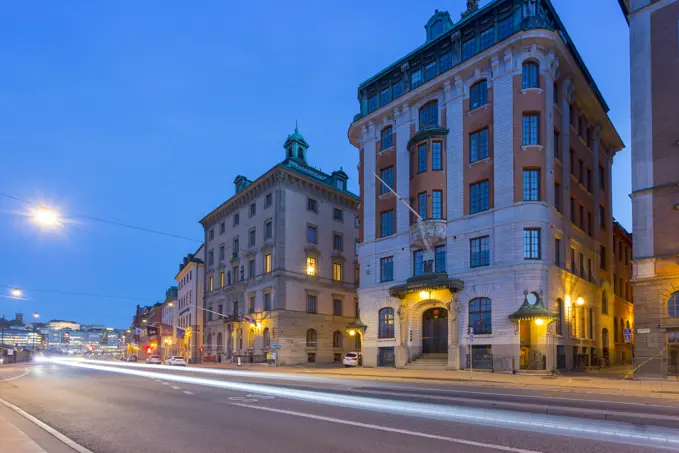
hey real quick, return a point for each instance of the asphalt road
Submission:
(110, 408)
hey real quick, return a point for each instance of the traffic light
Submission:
(148, 349)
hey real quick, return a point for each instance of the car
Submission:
(132, 358)
(352, 359)
(153, 359)
(175, 360)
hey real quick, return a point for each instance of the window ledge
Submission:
(391, 148)
(385, 195)
(483, 107)
(386, 340)
(532, 147)
(532, 90)
(485, 160)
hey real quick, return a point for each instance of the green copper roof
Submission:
(535, 311)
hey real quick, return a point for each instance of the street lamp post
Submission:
(36, 316)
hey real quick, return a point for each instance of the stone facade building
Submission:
(495, 134)
(281, 265)
(654, 65)
(189, 308)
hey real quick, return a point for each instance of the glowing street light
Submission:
(580, 301)
(36, 315)
(46, 217)
(16, 292)
(539, 322)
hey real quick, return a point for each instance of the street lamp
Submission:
(45, 216)
(16, 292)
(36, 315)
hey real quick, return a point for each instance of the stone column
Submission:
(503, 137)
(454, 146)
(402, 347)
(551, 66)
(403, 125)
(453, 335)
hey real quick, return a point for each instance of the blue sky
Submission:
(144, 112)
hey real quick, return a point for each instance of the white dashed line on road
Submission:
(166, 383)
(188, 393)
(176, 388)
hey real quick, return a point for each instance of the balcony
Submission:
(428, 233)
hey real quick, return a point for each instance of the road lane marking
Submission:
(75, 446)
(188, 393)
(26, 371)
(176, 388)
(389, 429)
(166, 383)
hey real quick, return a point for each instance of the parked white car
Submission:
(352, 359)
(154, 359)
(176, 360)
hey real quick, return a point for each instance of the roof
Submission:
(625, 9)
(426, 282)
(535, 311)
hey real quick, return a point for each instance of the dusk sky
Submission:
(144, 112)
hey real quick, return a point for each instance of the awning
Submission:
(426, 282)
(529, 311)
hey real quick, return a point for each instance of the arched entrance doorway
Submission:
(435, 331)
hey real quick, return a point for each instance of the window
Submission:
(436, 156)
(478, 197)
(268, 200)
(267, 263)
(356, 247)
(602, 177)
(581, 175)
(604, 303)
(210, 258)
(221, 279)
(422, 205)
(337, 272)
(210, 284)
(251, 305)
(531, 124)
(529, 76)
(266, 334)
(415, 78)
(268, 229)
(337, 339)
(478, 145)
(573, 268)
(396, 89)
(253, 209)
(531, 184)
(469, 48)
(311, 205)
(582, 266)
(479, 251)
(602, 217)
(615, 329)
(478, 95)
(437, 204)
(557, 138)
(557, 252)
(531, 244)
(430, 71)
(387, 269)
(387, 138)
(487, 38)
(422, 158)
(557, 196)
(589, 180)
(559, 320)
(311, 338)
(572, 154)
(372, 103)
(310, 265)
(387, 223)
(429, 115)
(267, 301)
(236, 219)
(440, 258)
(386, 175)
(480, 316)
(589, 269)
(252, 237)
(221, 253)
(235, 274)
(673, 305)
(311, 303)
(572, 209)
(211, 234)
(222, 228)
(385, 95)
(445, 62)
(337, 242)
(312, 234)
(505, 28)
(386, 323)
(418, 262)
(589, 223)
(602, 257)
(337, 307)
(581, 213)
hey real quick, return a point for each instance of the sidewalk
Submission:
(608, 378)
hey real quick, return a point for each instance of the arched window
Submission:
(386, 325)
(209, 342)
(429, 115)
(615, 329)
(311, 341)
(673, 305)
(478, 95)
(529, 77)
(480, 315)
(251, 338)
(267, 337)
(604, 338)
(219, 341)
(387, 138)
(622, 331)
(627, 324)
(559, 321)
(337, 339)
(604, 303)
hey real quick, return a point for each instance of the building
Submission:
(496, 135)
(281, 265)
(190, 281)
(168, 342)
(144, 332)
(654, 63)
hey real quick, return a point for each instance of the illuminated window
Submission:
(386, 323)
(480, 318)
(337, 272)
(267, 262)
(209, 284)
(221, 279)
(310, 265)
(673, 305)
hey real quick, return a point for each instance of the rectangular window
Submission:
(337, 272)
(602, 217)
(253, 209)
(267, 263)
(478, 145)
(221, 252)
(422, 158)
(310, 303)
(387, 223)
(338, 214)
(589, 180)
(602, 257)
(235, 273)
(385, 96)
(222, 228)
(478, 95)
(557, 138)
(252, 237)
(469, 48)
(337, 242)
(582, 266)
(387, 269)
(418, 262)
(416, 78)
(210, 258)
(505, 28)
(487, 38)
(356, 247)
(581, 216)
(337, 307)
(210, 283)
(236, 219)
(581, 173)
(310, 265)
(531, 244)
(602, 177)
(572, 152)
(211, 234)
(396, 89)
(531, 127)
(572, 210)
(387, 175)
(478, 197)
(422, 205)
(268, 229)
(479, 251)
(557, 252)
(267, 301)
(446, 61)
(529, 76)
(531, 184)
(557, 196)
(440, 258)
(437, 204)
(221, 280)
(311, 205)
(436, 156)
(312, 234)
(387, 138)
(268, 200)
(372, 103)
(590, 277)
(430, 71)
(574, 270)
(559, 320)
(251, 269)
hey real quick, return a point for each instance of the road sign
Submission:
(627, 333)
(276, 346)
(471, 334)
(643, 330)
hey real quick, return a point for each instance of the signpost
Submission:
(276, 346)
(643, 330)
(471, 359)
(628, 335)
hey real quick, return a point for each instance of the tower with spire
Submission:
(296, 147)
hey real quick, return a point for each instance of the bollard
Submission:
(239, 363)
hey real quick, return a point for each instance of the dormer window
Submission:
(341, 185)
